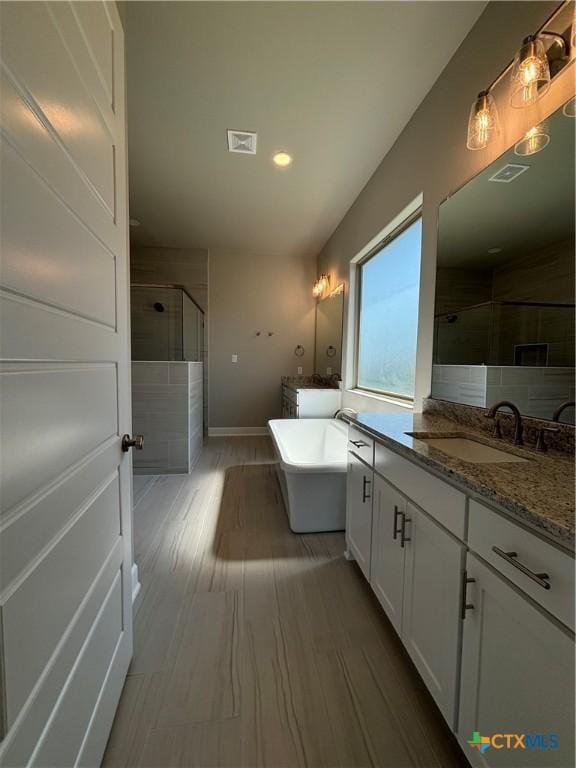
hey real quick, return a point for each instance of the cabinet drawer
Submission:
(493, 536)
(440, 500)
(360, 444)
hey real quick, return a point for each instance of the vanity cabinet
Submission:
(359, 512)
(517, 674)
(431, 628)
(416, 573)
(309, 402)
(483, 605)
(387, 567)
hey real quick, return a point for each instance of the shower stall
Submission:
(168, 352)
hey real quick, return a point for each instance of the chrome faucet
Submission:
(518, 427)
(561, 408)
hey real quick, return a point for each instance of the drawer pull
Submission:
(359, 443)
(397, 514)
(365, 484)
(403, 537)
(540, 578)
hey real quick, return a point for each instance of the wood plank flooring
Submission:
(258, 647)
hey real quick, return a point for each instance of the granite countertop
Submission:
(539, 492)
(295, 386)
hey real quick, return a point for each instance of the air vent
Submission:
(242, 141)
(508, 173)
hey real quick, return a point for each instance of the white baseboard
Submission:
(136, 586)
(236, 431)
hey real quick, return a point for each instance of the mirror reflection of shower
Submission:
(167, 324)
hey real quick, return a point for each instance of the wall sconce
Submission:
(483, 121)
(533, 141)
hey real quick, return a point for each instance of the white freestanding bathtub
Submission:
(312, 465)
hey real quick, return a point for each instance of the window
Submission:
(388, 313)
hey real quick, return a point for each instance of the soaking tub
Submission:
(312, 463)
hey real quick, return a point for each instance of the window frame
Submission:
(386, 240)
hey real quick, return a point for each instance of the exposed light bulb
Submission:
(530, 73)
(282, 159)
(533, 141)
(483, 121)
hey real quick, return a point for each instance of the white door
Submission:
(359, 512)
(431, 620)
(387, 569)
(65, 522)
(517, 676)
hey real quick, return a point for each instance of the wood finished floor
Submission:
(258, 647)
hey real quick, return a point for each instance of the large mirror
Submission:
(328, 351)
(504, 313)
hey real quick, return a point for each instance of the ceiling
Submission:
(520, 217)
(332, 83)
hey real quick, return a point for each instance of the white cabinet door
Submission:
(65, 518)
(387, 568)
(359, 512)
(431, 618)
(517, 676)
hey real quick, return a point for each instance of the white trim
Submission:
(408, 404)
(351, 322)
(236, 431)
(136, 586)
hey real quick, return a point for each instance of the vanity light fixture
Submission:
(533, 141)
(321, 286)
(483, 121)
(534, 66)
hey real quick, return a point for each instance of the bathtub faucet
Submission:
(341, 413)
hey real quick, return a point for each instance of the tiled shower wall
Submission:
(167, 410)
(537, 391)
(177, 266)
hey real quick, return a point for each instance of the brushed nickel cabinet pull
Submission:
(511, 557)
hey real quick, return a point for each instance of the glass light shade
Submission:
(569, 109)
(533, 141)
(530, 73)
(483, 121)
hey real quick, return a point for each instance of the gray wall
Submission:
(430, 156)
(250, 293)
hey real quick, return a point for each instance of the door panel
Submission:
(359, 512)
(34, 51)
(387, 570)
(431, 622)
(65, 517)
(517, 674)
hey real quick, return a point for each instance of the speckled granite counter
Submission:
(539, 492)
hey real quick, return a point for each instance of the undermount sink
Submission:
(467, 449)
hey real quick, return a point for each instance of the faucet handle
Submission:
(540, 442)
(497, 429)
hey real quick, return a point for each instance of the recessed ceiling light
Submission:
(282, 159)
(494, 250)
(134, 223)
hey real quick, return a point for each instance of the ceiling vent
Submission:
(508, 173)
(242, 141)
